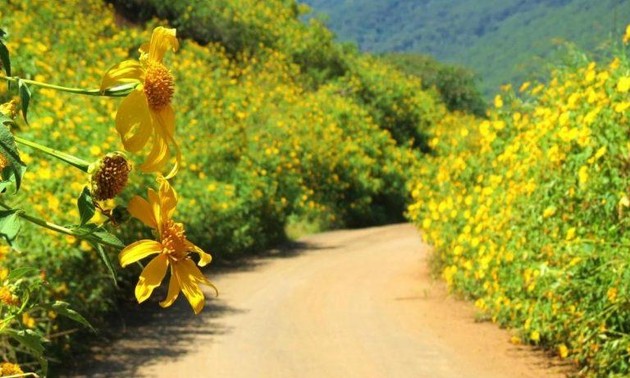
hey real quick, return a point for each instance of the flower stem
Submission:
(70, 159)
(54, 227)
(118, 91)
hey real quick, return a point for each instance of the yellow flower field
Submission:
(528, 212)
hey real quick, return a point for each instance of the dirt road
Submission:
(344, 304)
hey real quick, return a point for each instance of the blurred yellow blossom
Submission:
(8, 369)
(563, 351)
(623, 85)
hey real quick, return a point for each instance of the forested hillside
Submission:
(504, 41)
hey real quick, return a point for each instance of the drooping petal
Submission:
(134, 122)
(138, 250)
(178, 160)
(204, 258)
(164, 121)
(154, 201)
(190, 277)
(168, 197)
(164, 130)
(151, 277)
(158, 157)
(129, 71)
(139, 208)
(162, 39)
(173, 290)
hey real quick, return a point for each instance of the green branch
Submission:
(118, 91)
(70, 159)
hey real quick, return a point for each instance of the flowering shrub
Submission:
(246, 140)
(529, 212)
(147, 115)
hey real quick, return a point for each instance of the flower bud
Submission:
(109, 176)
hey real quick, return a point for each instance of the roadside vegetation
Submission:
(279, 129)
(529, 211)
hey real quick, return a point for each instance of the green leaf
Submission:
(18, 273)
(108, 262)
(25, 97)
(29, 339)
(4, 59)
(63, 308)
(5, 184)
(97, 234)
(9, 224)
(15, 167)
(86, 206)
(105, 236)
(32, 341)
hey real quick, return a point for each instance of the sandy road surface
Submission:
(343, 304)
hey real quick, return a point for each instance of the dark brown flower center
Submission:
(110, 176)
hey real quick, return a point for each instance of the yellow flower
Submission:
(612, 294)
(623, 85)
(28, 320)
(172, 248)
(570, 234)
(535, 336)
(563, 351)
(549, 212)
(8, 369)
(146, 113)
(583, 175)
(621, 107)
(498, 102)
(626, 36)
(524, 87)
(7, 297)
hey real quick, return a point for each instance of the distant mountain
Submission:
(502, 40)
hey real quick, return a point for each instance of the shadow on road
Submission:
(143, 333)
(248, 263)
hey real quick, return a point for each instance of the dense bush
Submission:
(529, 212)
(456, 85)
(248, 26)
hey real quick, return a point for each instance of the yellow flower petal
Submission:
(134, 122)
(173, 291)
(154, 201)
(151, 277)
(158, 157)
(165, 122)
(168, 197)
(190, 277)
(162, 39)
(129, 71)
(204, 258)
(137, 251)
(164, 130)
(139, 208)
(178, 159)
